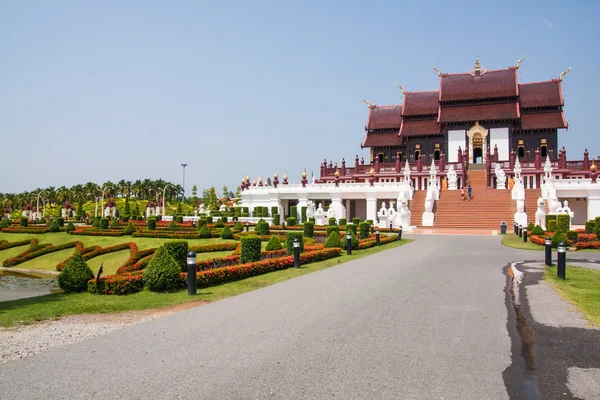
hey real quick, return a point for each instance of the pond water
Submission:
(15, 285)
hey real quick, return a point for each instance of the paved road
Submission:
(424, 321)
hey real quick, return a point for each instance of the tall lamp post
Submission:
(37, 207)
(102, 200)
(183, 195)
(96, 200)
(163, 203)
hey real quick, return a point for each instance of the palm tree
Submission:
(128, 188)
(137, 188)
(122, 187)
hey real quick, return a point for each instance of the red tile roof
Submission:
(541, 94)
(381, 117)
(414, 128)
(421, 103)
(490, 84)
(543, 120)
(374, 139)
(480, 112)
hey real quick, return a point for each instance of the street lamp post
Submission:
(183, 195)
(37, 207)
(102, 200)
(96, 200)
(163, 202)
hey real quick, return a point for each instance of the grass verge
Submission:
(53, 306)
(581, 288)
(514, 241)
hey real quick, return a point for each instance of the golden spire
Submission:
(285, 176)
(372, 172)
(519, 62)
(477, 65)
(401, 88)
(304, 173)
(562, 74)
(593, 168)
(275, 175)
(438, 71)
(367, 103)
(247, 178)
(337, 173)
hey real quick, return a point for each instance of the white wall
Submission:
(499, 136)
(579, 207)
(455, 139)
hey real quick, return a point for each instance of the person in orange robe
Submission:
(511, 183)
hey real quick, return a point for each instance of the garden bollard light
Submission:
(562, 260)
(283, 225)
(296, 253)
(520, 231)
(548, 251)
(372, 228)
(377, 241)
(348, 243)
(191, 272)
(247, 226)
(525, 235)
(391, 226)
(400, 233)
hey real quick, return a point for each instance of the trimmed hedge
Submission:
(238, 227)
(276, 219)
(103, 223)
(364, 229)
(172, 225)
(60, 221)
(129, 229)
(332, 221)
(70, 227)
(291, 221)
(162, 272)
(219, 223)
(335, 229)
(538, 230)
(226, 233)
(23, 222)
(351, 227)
(551, 225)
(356, 221)
(250, 249)
(117, 284)
(75, 276)
(572, 236)
(333, 240)
(262, 228)
(294, 212)
(590, 226)
(151, 223)
(563, 223)
(289, 241)
(558, 237)
(204, 232)
(309, 229)
(273, 244)
(54, 227)
(178, 250)
(343, 221)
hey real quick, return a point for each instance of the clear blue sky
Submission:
(96, 91)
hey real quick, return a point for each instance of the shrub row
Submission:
(88, 255)
(91, 232)
(365, 244)
(26, 256)
(208, 248)
(117, 284)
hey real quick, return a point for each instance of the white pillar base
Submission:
(521, 218)
(428, 218)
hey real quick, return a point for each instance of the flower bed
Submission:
(30, 255)
(535, 239)
(40, 230)
(367, 243)
(8, 245)
(166, 234)
(588, 245)
(117, 284)
(208, 248)
(98, 251)
(91, 232)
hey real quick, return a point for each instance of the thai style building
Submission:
(482, 128)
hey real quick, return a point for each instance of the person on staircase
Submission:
(470, 192)
(462, 193)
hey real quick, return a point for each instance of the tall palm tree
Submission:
(121, 186)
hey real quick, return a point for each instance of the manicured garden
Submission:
(141, 260)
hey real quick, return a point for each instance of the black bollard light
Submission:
(191, 272)
(247, 226)
(548, 251)
(520, 231)
(400, 232)
(296, 253)
(525, 235)
(377, 240)
(348, 243)
(516, 228)
(283, 225)
(561, 269)
(372, 228)
(391, 227)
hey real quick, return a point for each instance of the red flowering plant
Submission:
(40, 251)
(98, 251)
(117, 284)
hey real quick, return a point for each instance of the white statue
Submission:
(406, 171)
(223, 208)
(310, 209)
(330, 213)
(383, 210)
(553, 203)
(567, 210)
(560, 209)
(433, 173)
(451, 176)
(403, 215)
(202, 209)
(500, 177)
(320, 210)
(391, 211)
(540, 214)
(313, 180)
(430, 198)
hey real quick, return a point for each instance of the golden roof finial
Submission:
(275, 175)
(285, 176)
(372, 172)
(304, 173)
(438, 71)
(562, 74)
(593, 167)
(401, 88)
(519, 62)
(367, 103)
(337, 173)
(477, 65)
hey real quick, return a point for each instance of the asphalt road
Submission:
(423, 321)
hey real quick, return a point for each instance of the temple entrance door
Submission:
(477, 155)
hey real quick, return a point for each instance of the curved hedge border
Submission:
(9, 245)
(117, 284)
(40, 250)
(367, 243)
(208, 248)
(111, 232)
(98, 251)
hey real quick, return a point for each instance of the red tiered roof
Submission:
(421, 103)
(480, 112)
(376, 139)
(415, 128)
(541, 94)
(382, 117)
(543, 120)
(486, 85)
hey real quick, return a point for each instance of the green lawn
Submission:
(47, 262)
(514, 241)
(110, 262)
(9, 253)
(581, 288)
(56, 305)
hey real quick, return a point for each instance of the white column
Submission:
(336, 205)
(302, 202)
(348, 209)
(593, 207)
(372, 207)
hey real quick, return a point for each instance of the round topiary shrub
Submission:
(238, 227)
(356, 221)
(333, 240)
(162, 273)
(309, 229)
(273, 244)
(75, 275)
(114, 224)
(70, 227)
(54, 227)
(343, 221)
(172, 226)
(538, 230)
(104, 223)
(204, 232)
(151, 224)
(226, 233)
(130, 229)
(250, 249)
(23, 222)
(557, 238)
(332, 221)
(60, 221)
(219, 223)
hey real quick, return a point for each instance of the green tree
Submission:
(269, 181)
(127, 211)
(238, 194)
(205, 196)
(213, 201)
